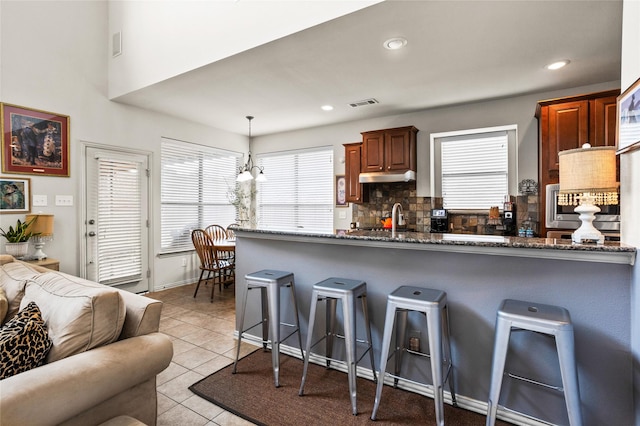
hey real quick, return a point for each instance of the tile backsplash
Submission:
(417, 210)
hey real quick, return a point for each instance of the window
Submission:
(194, 185)
(474, 169)
(298, 195)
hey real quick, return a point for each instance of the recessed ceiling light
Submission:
(326, 108)
(558, 65)
(395, 43)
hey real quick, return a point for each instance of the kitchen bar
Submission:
(477, 273)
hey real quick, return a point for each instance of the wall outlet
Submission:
(184, 262)
(64, 200)
(414, 340)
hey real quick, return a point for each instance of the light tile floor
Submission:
(203, 343)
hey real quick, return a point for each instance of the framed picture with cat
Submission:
(34, 142)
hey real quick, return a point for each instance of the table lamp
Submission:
(587, 178)
(43, 226)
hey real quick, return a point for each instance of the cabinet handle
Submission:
(388, 167)
(381, 167)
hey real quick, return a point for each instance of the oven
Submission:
(563, 217)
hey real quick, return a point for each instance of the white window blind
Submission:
(475, 171)
(298, 195)
(119, 221)
(194, 185)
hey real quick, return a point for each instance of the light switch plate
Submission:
(39, 201)
(64, 200)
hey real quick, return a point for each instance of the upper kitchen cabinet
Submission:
(356, 192)
(567, 123)
(389, 150)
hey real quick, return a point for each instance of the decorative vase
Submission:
(17, 250)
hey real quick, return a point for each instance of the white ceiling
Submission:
(457, 52)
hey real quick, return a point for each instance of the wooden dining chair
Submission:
(216, 232)
(230, 233)
(219, 271)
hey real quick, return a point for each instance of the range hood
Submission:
(383, 177)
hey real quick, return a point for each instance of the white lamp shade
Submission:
(588, 170)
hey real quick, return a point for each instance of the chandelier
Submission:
(245, 172)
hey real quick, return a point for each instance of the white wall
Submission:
(163, 39)
(60, 65)
(630, 183)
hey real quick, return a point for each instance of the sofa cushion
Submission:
(80, 314)
(13, 277)
(4, 304)
(24, 342)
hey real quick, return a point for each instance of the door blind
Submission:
(119, 233)
(475, 172)
(195, 183)
(298, 195)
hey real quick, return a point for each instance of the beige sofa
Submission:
(105, 356)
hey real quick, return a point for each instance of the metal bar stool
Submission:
(545, 319)
(347, 291)
(433, 304)
(270, 282)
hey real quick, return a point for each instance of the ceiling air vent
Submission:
(364, 102)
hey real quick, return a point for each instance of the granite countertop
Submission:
(609, 252)
(487, 241)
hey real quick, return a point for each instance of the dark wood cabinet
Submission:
(356, 192)
(602, 123)
(568, 123)
(389, 150)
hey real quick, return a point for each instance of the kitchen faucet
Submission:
(395, 217)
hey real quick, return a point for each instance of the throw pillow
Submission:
(24, 342)
(13, 277)
(4, 304)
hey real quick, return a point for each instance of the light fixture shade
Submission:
(244, 176)
(42, 225)
(588, 170)
(261, 177)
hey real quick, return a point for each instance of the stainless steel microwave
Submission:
(563, 217)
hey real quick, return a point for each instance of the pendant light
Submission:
(244, 174)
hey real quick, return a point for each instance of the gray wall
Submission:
(518, 110)
(596, 295)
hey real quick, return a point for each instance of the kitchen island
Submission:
(478, 272)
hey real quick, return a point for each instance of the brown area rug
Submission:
(251, 394)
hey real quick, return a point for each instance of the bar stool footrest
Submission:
(535, 382)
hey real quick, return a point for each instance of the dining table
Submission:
(227, 244)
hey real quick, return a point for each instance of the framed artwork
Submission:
(341, 191)
(34, 142)
(15, 195)
(628, 125)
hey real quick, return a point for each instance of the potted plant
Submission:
(17, 238)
